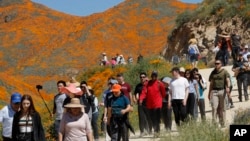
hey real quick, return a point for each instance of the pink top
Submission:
(75, 128)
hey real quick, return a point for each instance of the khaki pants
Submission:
(218, 106)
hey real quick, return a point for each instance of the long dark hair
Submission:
(31, 109)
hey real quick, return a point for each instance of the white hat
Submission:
(246, 46)
(166, 80)
(182, 69)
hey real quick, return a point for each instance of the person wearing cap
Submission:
(166, 111)
(236, 43)
(182, 71)
(118, 109)
(75, 124)
(153, 93)
(225, 47)
(58, 105)
(179, 90)
(240, 70)
(144, 122)
(106, 96)
(27, 124)
(6, 116)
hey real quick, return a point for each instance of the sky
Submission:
(85, 7)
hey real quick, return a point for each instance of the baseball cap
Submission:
(154, 73)
(16, 98)
(113, 81)
(116, 88)
(166, 80)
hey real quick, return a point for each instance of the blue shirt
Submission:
(118, 104)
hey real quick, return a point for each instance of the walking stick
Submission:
(38, 87)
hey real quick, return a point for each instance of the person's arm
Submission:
(197, 91)
(184, 102)
(169, 99)
(89, 133)
(128, 109)
(210, 89)
(109, 113)
(143, 93)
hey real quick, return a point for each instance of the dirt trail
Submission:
(229, 113)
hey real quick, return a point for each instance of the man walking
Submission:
(58, 105)
(7, 114)
(153, 92)
(219, 82)
(142, 111)
(179, 90)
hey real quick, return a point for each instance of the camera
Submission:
(39, 87)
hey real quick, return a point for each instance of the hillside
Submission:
(40, 46)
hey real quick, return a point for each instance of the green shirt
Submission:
(219, 78)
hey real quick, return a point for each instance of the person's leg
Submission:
(239, 85)
(245, 88)
(202, 109)
(221, 107)
(169, 119)
(141, 118)
(95, 125)
(149, 121)
(215, 103)
(190, 105)
(176, 112)
(124, 132)
(114, 130)
(57, 125)
(164, 114)
(183, 111)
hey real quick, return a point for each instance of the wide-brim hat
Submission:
(71, 88)
(74, 103)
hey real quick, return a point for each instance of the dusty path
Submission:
(229, 113)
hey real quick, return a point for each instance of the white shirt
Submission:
(59, 99)
(6, 118)
(178, 87)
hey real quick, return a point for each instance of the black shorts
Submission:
(193, 57)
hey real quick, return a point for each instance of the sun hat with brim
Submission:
(71, 88)
(74, 103)
(116, 88)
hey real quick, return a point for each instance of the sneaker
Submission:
(232, 106)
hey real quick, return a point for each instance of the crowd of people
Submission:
(118, 60)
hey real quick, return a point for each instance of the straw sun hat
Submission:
(74, 103)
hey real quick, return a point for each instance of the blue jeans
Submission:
(95, 125)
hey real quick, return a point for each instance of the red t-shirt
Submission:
(126, 89)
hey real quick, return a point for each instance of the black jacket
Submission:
(38, 131)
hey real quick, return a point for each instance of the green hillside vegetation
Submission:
(219, 8)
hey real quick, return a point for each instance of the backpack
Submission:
(191, 50)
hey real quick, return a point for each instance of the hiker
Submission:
(73, 81)
(6, 116)
(139, 58)
(118, 109)
(236, 43)
(193, 51)
(240, 71)
(106, 96)
(175, 59)
(27, 125)
(179, 90)
(104, 59)
(225, 47)
(153, 93)
(75, 123)
(166, 111)
(125, 87)
(144, 124)
(219, 87)
(193, 96)
(95, 113)
(201, 102)
(130, 60)
(58, 106)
